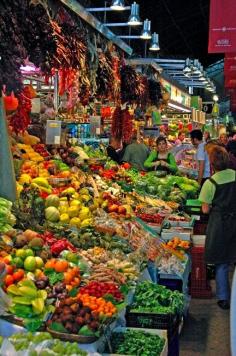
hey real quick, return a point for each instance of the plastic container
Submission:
(167, 322)
(200, 287)
(199, 240)
(161, 333)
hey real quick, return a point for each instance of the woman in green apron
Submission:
(218, 197)
(160, 159)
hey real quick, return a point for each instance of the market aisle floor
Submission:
(206, 331)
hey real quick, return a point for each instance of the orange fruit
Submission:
(61, 266)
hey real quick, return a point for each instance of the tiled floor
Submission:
(206, 331)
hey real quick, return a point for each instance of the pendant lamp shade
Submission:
(155, 42)
(146, 32)
(134, 19)
(118, 5)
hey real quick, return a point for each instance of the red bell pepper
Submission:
(61, 245)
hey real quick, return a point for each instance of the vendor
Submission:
(161, 159)
(136, 154)
(114, 150)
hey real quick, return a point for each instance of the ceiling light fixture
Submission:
(118, 5)
(146, 32)
(155, 42)
(134, 19)
(187, 68)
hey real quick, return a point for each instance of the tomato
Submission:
(8, 280)
(9, 269)
(18, 275)
(6, 260)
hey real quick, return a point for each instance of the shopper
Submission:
(201, 156)
(218, 197)
(223, 138)
(136, 154)
(231, 146)
(160, 158)
(210, 145)
(180, 139)
(114, 150)
(207, 136)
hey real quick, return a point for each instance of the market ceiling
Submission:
(182, 26)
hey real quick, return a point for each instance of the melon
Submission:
(52, 214)
(52, 200)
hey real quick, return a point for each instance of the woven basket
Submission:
(81, 339)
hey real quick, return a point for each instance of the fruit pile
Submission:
(99, 289)
(74, 315)
(30, 342)
(98, 305)
(26, 293)
(69, 208)
(177, 244)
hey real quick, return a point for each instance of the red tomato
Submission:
(18, 275)
(6, 260)
(8, 280)
(9, 269)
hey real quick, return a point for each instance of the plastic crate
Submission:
(167, 322)
(200, 228)
(200, 287)
(172, 284)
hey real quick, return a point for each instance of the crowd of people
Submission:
(216, 160)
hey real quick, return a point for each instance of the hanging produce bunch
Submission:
(105, 77)
(122, 126)
(20, 120)
(12, 52)
(155, 94)
(131, 85)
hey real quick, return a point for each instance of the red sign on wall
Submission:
(222, 29)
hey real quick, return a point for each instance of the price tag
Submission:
(57, 140)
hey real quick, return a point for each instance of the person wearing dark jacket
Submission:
(114, 150)
(218, 198)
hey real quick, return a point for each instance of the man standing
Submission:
(136, 154)
(202, 158)
(114, 150)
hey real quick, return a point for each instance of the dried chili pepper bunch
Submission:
(38, 37)
(21, 119)
(143, 90)
(127, 126)
(155, 94)
(12, 51)
(71, 53)
(105, 75)
(130, 84)
(122, 125)
(116, 127)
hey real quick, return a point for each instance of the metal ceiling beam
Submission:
(96, 24)
(144, 62)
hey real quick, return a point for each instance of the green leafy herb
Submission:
(58, 327)
(73, 293)
(33, 324)
(53, 276)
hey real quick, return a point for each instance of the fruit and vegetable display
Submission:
(136, 342)
(173, 188)
(77, 240)
(7, 219)
(39, 344)
(153, 298)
